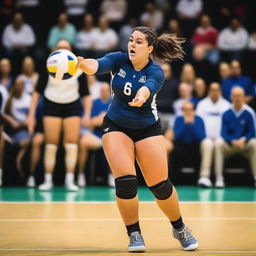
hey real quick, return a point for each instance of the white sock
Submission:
(48, 178)
(69, 178)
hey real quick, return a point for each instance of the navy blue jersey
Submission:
(126, 81)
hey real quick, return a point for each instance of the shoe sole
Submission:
(192, 247)
(136, 249)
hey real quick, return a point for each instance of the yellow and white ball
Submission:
(62, 64)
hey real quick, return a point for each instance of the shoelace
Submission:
(185, 235)
(136, 237)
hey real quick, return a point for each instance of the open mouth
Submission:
(132, 51)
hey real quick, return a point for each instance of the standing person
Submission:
(61, 109)
(132, 129)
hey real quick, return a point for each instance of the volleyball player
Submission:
(61, 111)
(132, 129)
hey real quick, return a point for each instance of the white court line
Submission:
(107, 250)
(114, 219)
(113, 202)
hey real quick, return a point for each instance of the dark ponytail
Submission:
(166, 47)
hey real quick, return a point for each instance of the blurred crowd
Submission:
(207, 104)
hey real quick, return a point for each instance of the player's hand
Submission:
(80, 60)
(138, 101)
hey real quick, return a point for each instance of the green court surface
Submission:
(186, 193)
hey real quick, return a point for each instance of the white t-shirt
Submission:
(25, 36)
(30, 82)
(20, 107)
(84, 39)
(211, 113)
(229, 40)
(63, 91)
(189, 8)
(102, 40)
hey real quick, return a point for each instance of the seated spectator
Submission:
(188, 12)
(84, 39)
(189, 132)
(18, 38)
(63, 30)
(188, 74)
(92, 140)
(104, 38)
(202, 66)
(166, 97)
(185, 92)
(224, 71)
(210, 110)
(114, 11)
(232, 40)
(16, 111)
(125, 33)
(200, 90)
(6, 78)
(152, 17)
(238, 135)
(252, 42)
(206, 36)
(174, 27)
(29, 75)
(237, 79)
(75, 9)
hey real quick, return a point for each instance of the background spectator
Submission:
(200, 90)
(210, 110)
(6, 78)
(224, 71)
(62, 31)
(238, 135)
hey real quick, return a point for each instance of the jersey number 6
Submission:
(128, 88)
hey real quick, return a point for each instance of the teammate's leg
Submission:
(71, 128)
(151, 156)
(52, 131)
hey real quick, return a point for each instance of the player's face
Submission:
(138, 48)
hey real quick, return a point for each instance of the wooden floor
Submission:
(67, 229)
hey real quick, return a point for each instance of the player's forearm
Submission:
(88, 66)
(144, 92)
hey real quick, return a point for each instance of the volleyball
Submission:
(62, 64)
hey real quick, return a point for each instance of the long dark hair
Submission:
(166, 47)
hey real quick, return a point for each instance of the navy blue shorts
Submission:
(135, 134)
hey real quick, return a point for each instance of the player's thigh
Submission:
(71, 128)
(119, 150)
(152, 159)
(52, 129)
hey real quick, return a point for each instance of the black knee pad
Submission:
(162, 190)
(126, 186)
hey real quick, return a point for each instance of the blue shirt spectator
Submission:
(189, 128)
(237, 79)
(236, 125)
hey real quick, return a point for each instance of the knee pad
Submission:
(126, 186)
(162, 190)
(71, 155)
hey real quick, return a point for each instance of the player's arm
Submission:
(88, 66)
(140, 98)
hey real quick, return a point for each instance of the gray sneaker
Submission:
(187, 241)
(136, 242)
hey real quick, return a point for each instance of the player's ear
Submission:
(150, 49)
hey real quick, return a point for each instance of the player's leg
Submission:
(152, 159)
(119, 150)
(36, 145)
(87, 142)
(71, 128)
(52, 131)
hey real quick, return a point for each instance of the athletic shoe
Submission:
(81, 180)
(72, 187)
(220, 183)
(31, 183)
(204, 182)
(187, 241)
(45, 186)
(111, 180)
(136, 242)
